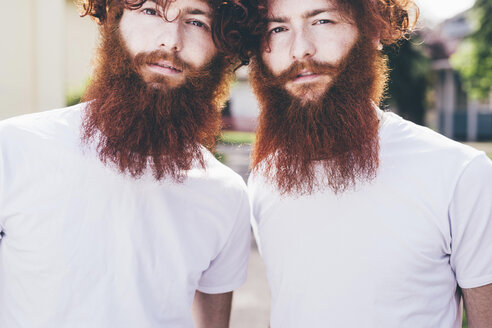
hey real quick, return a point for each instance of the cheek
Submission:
(198, 50)
(131, 37)
(334, 48)
(275, 61)
(132, 44)
(347, 40)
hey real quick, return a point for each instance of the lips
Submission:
(165, 67)
(305, 76)
(168, 66)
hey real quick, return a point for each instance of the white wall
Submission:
(17, 80)
(80, 43)
(45, 54)
(49, 54)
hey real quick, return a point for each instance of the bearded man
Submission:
(363, 219)
(114, 213)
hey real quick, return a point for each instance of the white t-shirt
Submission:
(85, 246)
(390, 253)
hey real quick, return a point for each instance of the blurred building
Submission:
(46, 51)
(47, 56)
(459, 117)
(244, 109)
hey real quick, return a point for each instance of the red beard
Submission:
(307, 145)
(141, 121)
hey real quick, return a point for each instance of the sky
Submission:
(438, 10)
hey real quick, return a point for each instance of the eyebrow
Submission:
(196, 11)
(309, 14)
(189, 10)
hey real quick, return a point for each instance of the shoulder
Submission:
(262, 190)
(47, 124)
(401, 137)
(218, 189)
(477, 174)
(256, 180)
(217, 177)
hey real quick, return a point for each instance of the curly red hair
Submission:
(387, 20)
(229, 24)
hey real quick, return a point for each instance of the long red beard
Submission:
(331, 142)
(138, 125)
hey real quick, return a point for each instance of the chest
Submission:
(70, 217)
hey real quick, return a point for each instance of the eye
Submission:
(150, 11)
(276, 30)
(197, 23)
(323, 21)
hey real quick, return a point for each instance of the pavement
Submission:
(251, 302)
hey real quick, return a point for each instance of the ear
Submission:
(379, 45)
(96, 20)
(376, 41)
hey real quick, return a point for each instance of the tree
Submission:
(474, 58)
(409, 79)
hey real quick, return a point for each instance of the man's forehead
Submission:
(287, 8)
(193, 6)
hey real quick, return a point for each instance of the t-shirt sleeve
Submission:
(1, 195)
(229, 268)
(471, 225)
(252, 188)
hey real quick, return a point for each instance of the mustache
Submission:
(193, 75)
(311, 65)
(154, 57)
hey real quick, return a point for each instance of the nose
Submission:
(169, 36)
(302, 45)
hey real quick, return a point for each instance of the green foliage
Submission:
(220, 157)
(465, 321)
(474, 57)
(236, 137)
(72, 100)
(74, 94)
(409, 79)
